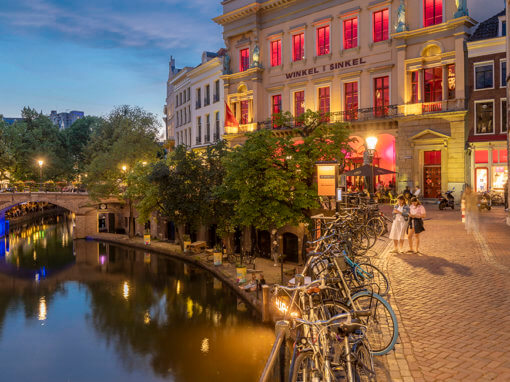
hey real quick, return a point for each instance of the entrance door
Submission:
(432, 181)
(290, 247)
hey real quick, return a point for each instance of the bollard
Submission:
(266, 302)
(463, 210)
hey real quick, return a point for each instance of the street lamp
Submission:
(40, 162)
(124, 168)
(371, 142)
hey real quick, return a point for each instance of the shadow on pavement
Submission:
(433, 264)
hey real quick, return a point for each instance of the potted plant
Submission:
(218, 254)
(186, 241)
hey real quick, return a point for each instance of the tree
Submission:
(77, 137)
(125, 138)
(6, 157)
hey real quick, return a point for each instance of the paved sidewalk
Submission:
(453, 300)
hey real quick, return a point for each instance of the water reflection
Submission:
(134, 316)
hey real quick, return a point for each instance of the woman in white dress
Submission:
(399, 226)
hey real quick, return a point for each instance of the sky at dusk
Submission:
(92, 55)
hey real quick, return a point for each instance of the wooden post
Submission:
(266, 302)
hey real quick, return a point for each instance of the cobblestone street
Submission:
(452, 301)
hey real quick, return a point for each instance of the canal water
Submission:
(89, 311)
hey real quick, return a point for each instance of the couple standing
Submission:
(407, 220)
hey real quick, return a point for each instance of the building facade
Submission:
(181, 117)
(487, 125)
(66, 119)
(171, 102)
(386, 67)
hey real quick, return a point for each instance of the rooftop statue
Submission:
(401, 18)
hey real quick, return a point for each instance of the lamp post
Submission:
(371, 142)
(40, 162)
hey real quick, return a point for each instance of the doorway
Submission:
(290, 247)
(432, 174)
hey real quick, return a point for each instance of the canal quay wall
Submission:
(225, 272)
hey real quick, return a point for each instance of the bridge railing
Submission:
(42, 187)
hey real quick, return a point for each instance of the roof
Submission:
(488, 28)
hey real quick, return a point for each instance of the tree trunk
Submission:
(131, 228)
(179, 236)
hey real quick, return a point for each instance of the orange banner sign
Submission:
(326, 180)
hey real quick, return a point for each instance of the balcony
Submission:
(424, 108)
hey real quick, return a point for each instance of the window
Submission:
(299, 103)
(244, 113)
(217, 126)
(199, 129)
(351, 100)
(432, 12)
(484, 76)
(298, 47)
(244, 60)
(351, 33)
(324, 100)
(276, 107)
(451, 81)
(484, 117)
(504, 116)
(216, 97)
(199, 98)
(323, 40)
(207, 128)
(207, 95)
(502, 82)
(414, 86)
(503, 28)
(276, 53)
(380, 25)
(381, 95)
(433, 84)
(177, 99)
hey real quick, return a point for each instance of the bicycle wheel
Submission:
(363, 363)
(304, 368)
(378, 225)
(370, 276)
(382, 325)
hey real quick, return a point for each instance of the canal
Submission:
(88, 311)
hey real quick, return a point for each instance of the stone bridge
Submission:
(85, 210)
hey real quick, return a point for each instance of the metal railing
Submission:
(277, 354)
(28, 187)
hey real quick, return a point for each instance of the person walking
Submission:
(399, 226)
(471, 202)
(417, 191)
(416, 215)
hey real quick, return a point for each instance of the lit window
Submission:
(244, 60)
(276, 107)
(276, 53)
(351, 33)
(433, 84)
(414, 87)
(484, 76)
(432, 12)
(298, 47)
(244, 112)
(299, 103)
(451, 81)
(380, 25)
(381, 96)
(503, 74)
(351, 100)
(484, 119)
(323, 40)
(324, 100)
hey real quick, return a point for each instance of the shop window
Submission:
(323, 40)
(381, 96)
(324, 100)
(499, 156)
(351, 100)
(481, 179)
(451, 81)
(481, 156)
(298, 47)
(276, 53)
(380, 21)
(351, 33)
(432, 158)
(244, 59)
(502, 82)
(244, 112)
(484, 118)
(414, 87)
(499, 177)
(484, 76)
(433, 84)
(299, 103)
(432, 12)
